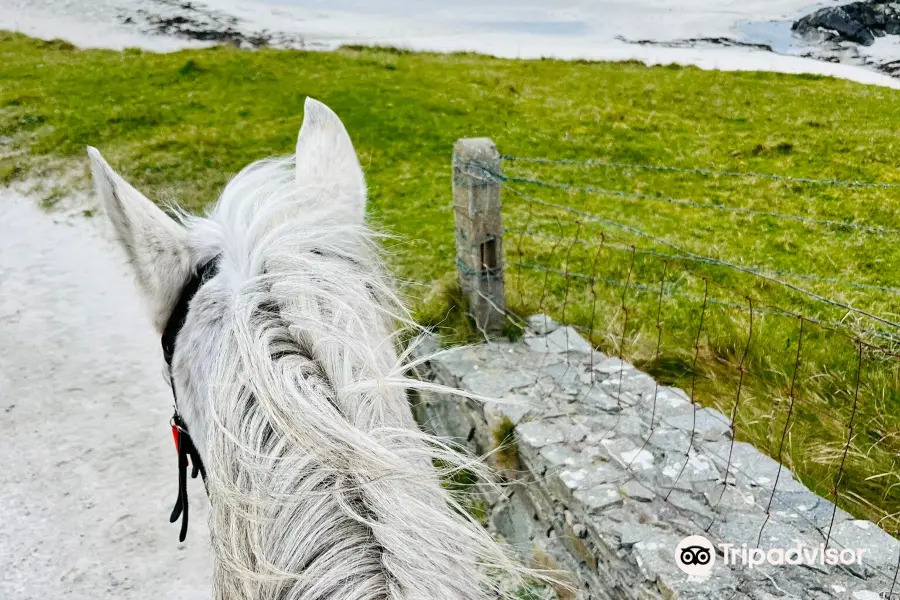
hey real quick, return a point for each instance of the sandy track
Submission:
(88, 471)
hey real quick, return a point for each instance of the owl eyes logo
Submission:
(695, 555)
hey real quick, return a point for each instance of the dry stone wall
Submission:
(592, 492)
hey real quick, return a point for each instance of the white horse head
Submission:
(288, 380)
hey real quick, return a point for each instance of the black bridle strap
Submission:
(187, 451)
(180, 311)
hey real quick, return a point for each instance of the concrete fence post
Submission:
(479, 234)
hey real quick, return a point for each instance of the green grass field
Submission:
(178, 126)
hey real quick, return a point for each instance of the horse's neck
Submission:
(295, 513)
(354, 350)
(322, 487)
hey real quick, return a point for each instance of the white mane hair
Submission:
(287, 376)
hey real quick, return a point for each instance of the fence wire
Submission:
(682, 253)
(829, 384)
(593, 189)
(672, 290)
(774, 272)
(699, 171)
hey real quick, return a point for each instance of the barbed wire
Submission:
(762, 307)
(545, 256)
(488, 175)
(777, 272)
(699, 171)
(700, 258)
(850, 333)
(590, 189)
(672, 291)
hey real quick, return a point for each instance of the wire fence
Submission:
(804, 363)
(700, 171)
(633, 196)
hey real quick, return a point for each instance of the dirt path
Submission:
(88, 471)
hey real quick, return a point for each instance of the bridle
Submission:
(184, 446)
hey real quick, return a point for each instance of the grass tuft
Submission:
(444, 309)
(507, 454)
(461, 485)
(189, 68)
(57, 44)
(9, 172)
(52, 197)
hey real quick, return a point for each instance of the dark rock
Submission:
(198, 22)
(698, 41)
(891, 68)
(858, 22)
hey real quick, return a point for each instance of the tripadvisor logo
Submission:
(696, 555)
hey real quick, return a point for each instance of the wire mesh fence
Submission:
(803, 361)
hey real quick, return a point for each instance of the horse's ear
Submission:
(155, 243)
(327, 161)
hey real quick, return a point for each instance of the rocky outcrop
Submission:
(197, 21)
(858, 22)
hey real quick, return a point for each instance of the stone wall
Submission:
(595, 491)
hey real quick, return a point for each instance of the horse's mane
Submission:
(321, 486)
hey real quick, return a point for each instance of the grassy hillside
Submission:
(180, 125)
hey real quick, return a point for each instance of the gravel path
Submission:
(88, 467)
